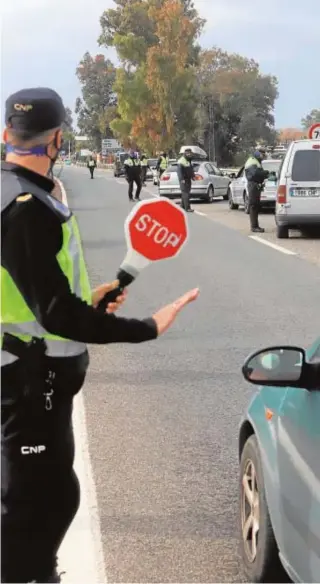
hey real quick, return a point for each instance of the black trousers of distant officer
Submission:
(254, 192)
(131, 182)
(185, 187)
(143, 174)
(40, 491)
(91, 168)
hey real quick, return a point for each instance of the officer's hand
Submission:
(99, 292)
(166, 316)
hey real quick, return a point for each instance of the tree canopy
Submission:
(312, 118)
(166, 91)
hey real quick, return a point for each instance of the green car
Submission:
(279, 452)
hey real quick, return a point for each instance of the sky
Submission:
(44, 40)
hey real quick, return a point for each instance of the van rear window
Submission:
(306, 166)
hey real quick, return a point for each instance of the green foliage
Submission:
(312, 118)
(97, 76)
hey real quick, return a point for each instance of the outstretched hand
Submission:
(165, 317)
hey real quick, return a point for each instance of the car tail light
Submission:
(165, 177)
(316, 146)
(282, 194)
(198, 177)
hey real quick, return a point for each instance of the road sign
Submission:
(109, 145)
(155, 230)
(314, 132)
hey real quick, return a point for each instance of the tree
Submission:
(312, 118)
(68, 132)
(155, 41)
(97, 76)
(236, 104)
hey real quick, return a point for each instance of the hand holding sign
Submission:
(155, 230)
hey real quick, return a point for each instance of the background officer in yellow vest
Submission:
(186, 175)
(144, 163)
(132, 168)
(256, 176)
(163, 163)
(48, 314)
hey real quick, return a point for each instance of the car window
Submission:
(209, 168)
(271, 165)
(240, 173)
(217, 171)
(306, 166)
(152, 161)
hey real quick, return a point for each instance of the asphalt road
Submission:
(162, 417)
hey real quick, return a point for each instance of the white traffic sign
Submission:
(314, 132)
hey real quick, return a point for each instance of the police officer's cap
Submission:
(33, 111)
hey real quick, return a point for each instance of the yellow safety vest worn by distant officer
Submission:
(16, 317)
(164, 162)
(252, 161)
(144, 162)
(130, 162)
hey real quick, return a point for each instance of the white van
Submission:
(298, 193)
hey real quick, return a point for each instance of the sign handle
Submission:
(124, 280)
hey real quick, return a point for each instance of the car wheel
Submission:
(210, 194)
(246, 203)
(226, 196)
(258, 546)
(282, 232)
(232, 205)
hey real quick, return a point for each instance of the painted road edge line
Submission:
(273, 245)
(81, 554)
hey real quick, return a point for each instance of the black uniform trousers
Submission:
(254, 192)
(185, 187)
(91, 169)
(131, 181)
(40, 491)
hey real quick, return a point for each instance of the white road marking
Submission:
(200, 213)
(81, 554)
(273, 245)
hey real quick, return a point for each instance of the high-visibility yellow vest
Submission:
(252, 161)
(17, 318)
(130, 162)
(164, 162)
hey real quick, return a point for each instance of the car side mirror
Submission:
(276, 366)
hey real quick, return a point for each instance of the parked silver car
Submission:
(209, 182)
(238, 191)
(156, 173)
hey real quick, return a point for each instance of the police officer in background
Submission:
(186, 175)
(48, 314)
(256, 176)
(132, 168)
(162, 164)
(144, 163)
(91, 165)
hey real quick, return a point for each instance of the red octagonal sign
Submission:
(157, 229)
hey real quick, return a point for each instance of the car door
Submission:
(220, 181)
(299, 480)
(238, 186)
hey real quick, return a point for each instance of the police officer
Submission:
(91, 165)
(144, 166)
(162, 164)
(186, 174)
(256, 176)
(132, 170)
(48, 314)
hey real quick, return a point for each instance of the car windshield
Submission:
(271, 165)
(306, 166)
(152, 162)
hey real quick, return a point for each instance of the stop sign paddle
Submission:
(155, 230)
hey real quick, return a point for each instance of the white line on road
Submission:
(200, 213)
(81, 555)
(273, 245)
